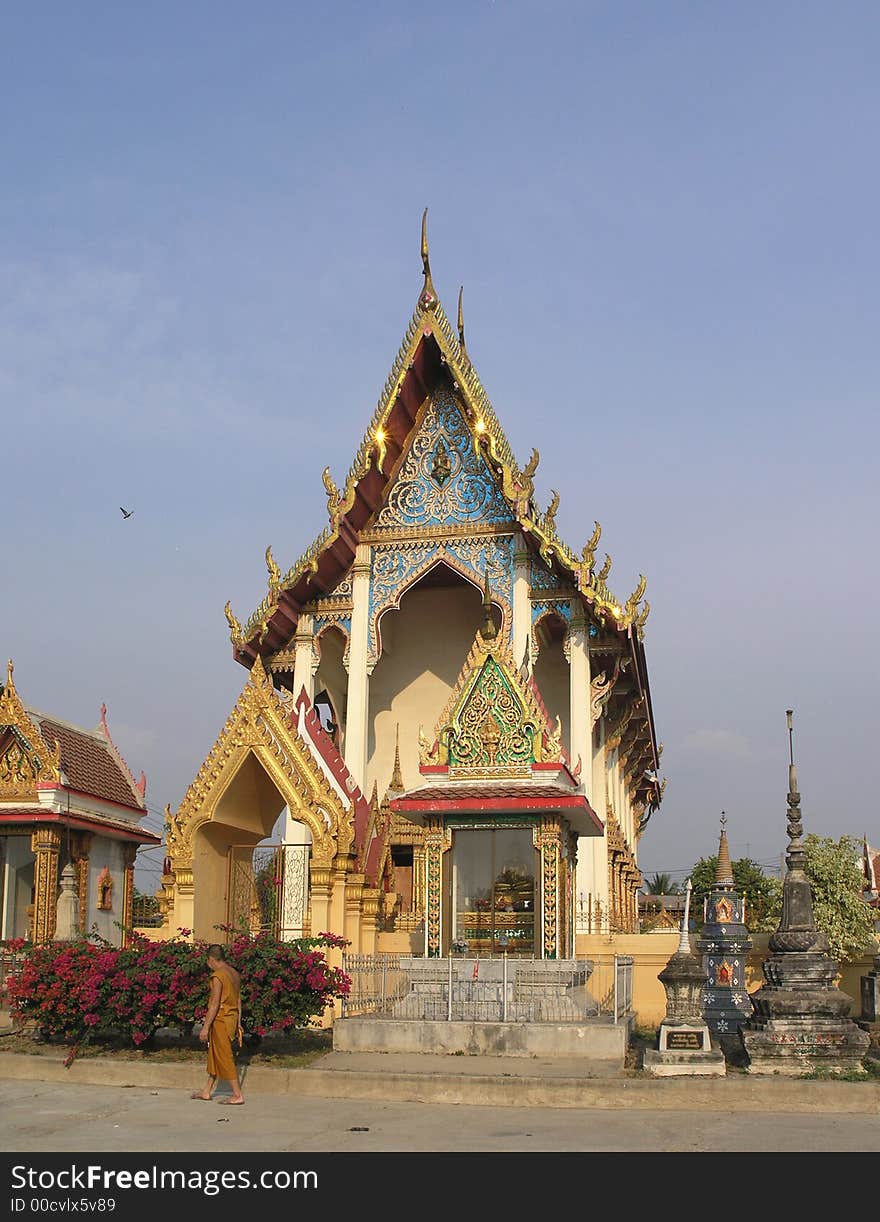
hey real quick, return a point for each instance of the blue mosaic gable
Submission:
(443, 481)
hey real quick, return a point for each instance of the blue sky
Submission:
(664, 217)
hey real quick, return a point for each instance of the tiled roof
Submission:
(89, 762)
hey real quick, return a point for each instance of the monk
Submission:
(222, 1024)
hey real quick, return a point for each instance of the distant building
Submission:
(660, 913)
(66, 798)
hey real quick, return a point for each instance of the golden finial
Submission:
(635, 598)
(274, 573)
(531, 466)
(602, 575)
(236, 633)
(550, 515)
(9, 669)
(461, 342)
(428, 299)
(333, 495)
(396, 782)
(589, 549)
(642, 617)
(167, 816)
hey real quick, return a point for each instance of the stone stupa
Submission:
(800, 1021)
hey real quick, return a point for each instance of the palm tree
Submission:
(660, 884)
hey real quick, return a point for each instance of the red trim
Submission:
(434, 768)
(79, 821)
(326, 748)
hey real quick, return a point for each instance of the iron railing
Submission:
(489, 988)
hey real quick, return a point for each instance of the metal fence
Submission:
(9, 964)
(489, 989)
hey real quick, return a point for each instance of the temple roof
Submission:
(91, 762)
(430, 351)
(432, 355)
(50, 752)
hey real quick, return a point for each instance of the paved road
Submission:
(56, 1117)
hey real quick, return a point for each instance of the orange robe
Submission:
(221, 1063)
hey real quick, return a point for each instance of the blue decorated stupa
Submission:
(724, 944)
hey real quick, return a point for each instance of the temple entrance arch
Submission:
(265, 760)
(231, 876)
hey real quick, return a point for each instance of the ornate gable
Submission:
(25, 757)
(260, 725)
(493, 724)
(442, 479)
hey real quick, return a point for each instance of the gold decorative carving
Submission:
(600, 693)
(493, 723)
(635, 598)
(589, 550)
(46, 847)
(429, 753)
(260, 726)
(605, 570)
(236, 632)
(274, 575)
(26, 758)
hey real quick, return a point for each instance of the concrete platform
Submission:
(596, 1040)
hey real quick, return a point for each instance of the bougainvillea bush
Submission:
(75, 991)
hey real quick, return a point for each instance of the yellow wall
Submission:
(425, 646)
(652, 951)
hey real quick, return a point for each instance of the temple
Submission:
(446, 736)
(68, 803)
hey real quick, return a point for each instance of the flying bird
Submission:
(126, 513)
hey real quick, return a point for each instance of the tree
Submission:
(661, 884)
(763, 895)
(837, 881)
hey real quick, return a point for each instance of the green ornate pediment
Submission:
(495, 724)
(492, 731)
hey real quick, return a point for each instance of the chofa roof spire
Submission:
(428, 299)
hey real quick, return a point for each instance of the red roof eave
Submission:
(81, 822)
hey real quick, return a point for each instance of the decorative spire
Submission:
(9, 670)
(461, 342)
(724, 873)
(396, 783)
(797, 926)
(428, 299)
(796, 856)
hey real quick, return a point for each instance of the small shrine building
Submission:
(441, 649)
(67, 798)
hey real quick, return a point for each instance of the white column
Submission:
(522, 607)
(304, 660)
(599, 804)
(357, 704)
(581, 734)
